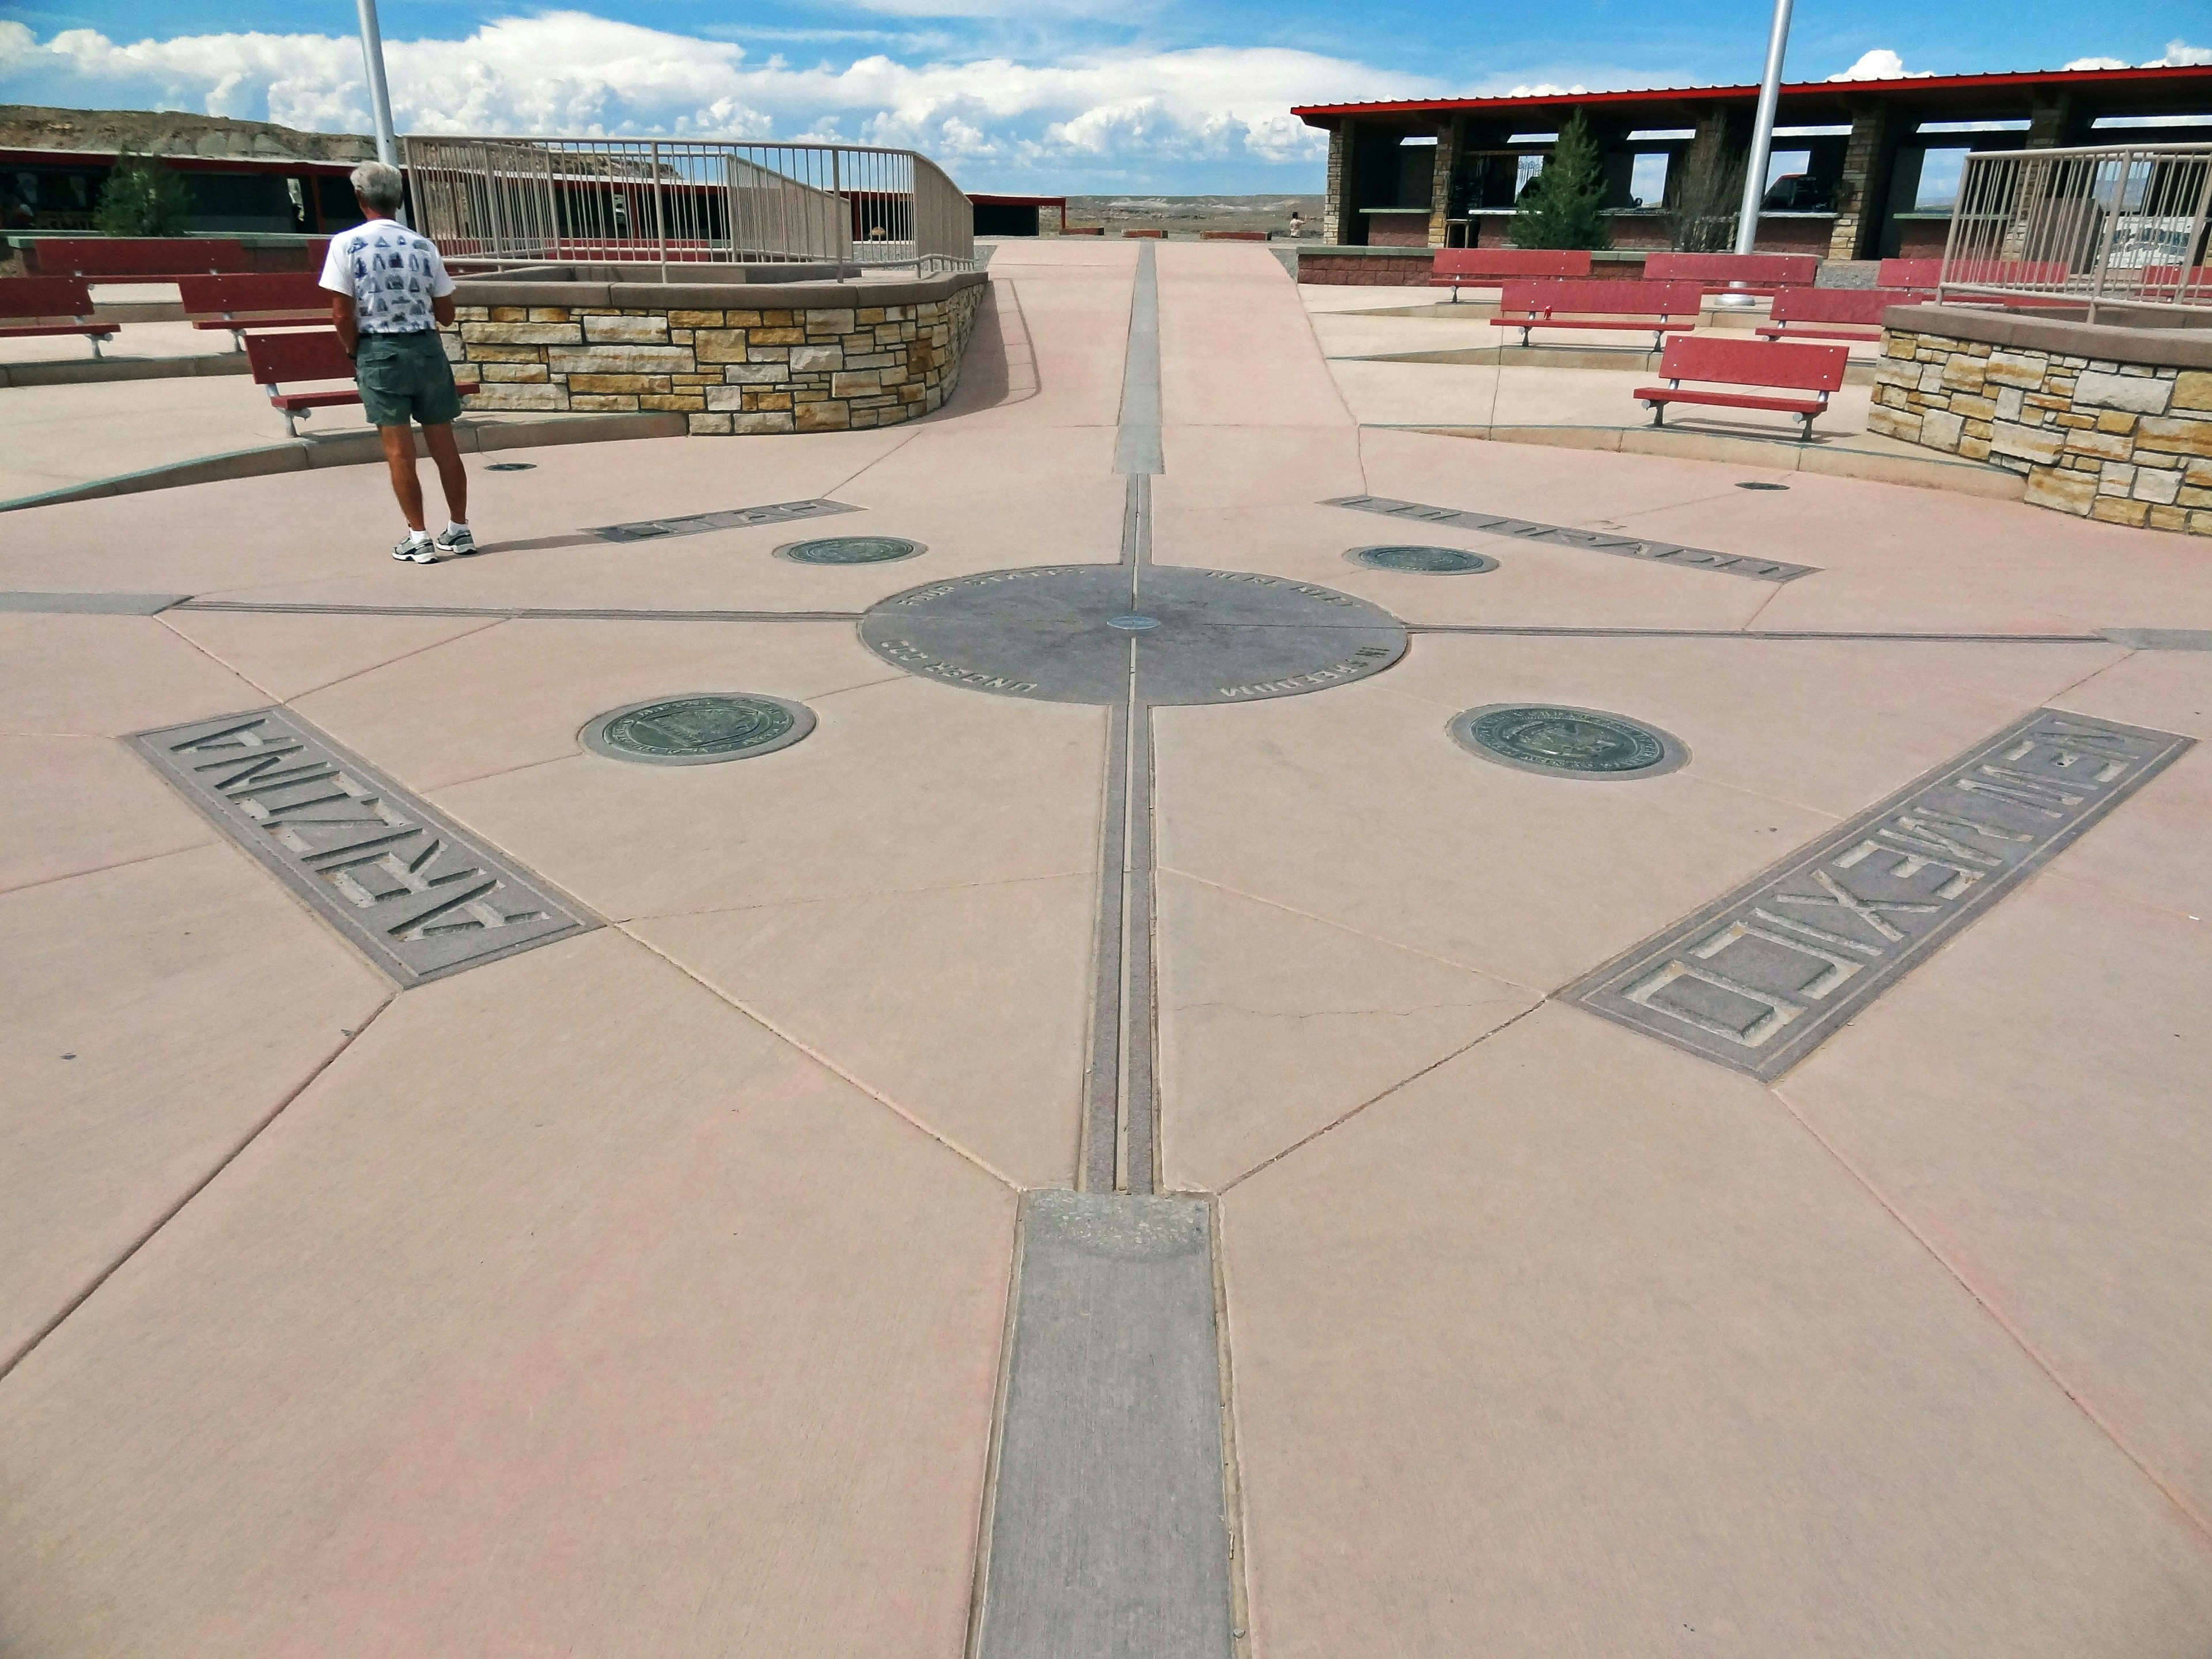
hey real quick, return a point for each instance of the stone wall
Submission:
(2102, 436)
(1357, 268)
(733, 358)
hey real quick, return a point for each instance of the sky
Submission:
(1046, 96)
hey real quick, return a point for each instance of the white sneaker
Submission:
(416, 549)
(455, 538)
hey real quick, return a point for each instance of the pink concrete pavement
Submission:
(645, 1291)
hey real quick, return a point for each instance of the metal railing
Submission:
(674, 201)
(2115, 225)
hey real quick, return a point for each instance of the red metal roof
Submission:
(2023, 79)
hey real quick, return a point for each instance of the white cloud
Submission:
(1881, 65)
(2178, 54)
(569, 72)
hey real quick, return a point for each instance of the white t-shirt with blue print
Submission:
(391, 273)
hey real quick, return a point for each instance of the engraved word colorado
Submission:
(1758, 979)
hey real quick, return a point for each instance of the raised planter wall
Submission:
(1398, 267)
(2107, 423)
(732, 357)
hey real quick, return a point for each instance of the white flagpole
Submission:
(1762, 131)
(379, 92)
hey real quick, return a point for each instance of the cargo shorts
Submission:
(405, 377)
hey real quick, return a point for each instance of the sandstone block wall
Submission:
(730, 370)
(2127, 443)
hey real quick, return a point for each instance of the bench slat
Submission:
(1486, 267)
(1773, 271)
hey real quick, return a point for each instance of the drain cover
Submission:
(1762, 486)
(511, 466)
(697, 730)
(1563, 742)
(1132, 623)
(1424, 561)
(850, 549)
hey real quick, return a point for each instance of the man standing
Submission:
(390, 293)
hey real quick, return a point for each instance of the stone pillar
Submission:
(2055, 125)
(1863, 189)
(1451, 145)
(1338, 221)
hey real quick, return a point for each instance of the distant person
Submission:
(390, 294)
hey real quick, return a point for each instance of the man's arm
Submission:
(442, 307)
(342, 319)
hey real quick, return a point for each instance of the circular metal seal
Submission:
(698, 729)
(1563, 742)
(1762, 486)
(511, 466)
(1424, 561)
(1160, 634)
(850, 549)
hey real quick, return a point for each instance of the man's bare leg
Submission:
(399, 457)
(439, 440)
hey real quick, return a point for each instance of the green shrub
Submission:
(142, 198)
(1564, 205)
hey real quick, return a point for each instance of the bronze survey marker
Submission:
(1757, 980)
(412, 891)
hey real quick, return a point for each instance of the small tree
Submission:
(1564, 205)
(1704, 216)
(142, 198)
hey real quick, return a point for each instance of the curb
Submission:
(359, 449)
(1768, 454)
(94, 371)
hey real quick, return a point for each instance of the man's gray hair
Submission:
(378, 186)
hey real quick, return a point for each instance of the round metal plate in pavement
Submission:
(511, 466)
(698, 729)
(1424, 561)
(850, 549)
(1079, 633)
(1567, 743)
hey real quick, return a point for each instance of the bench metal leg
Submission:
(95, 339)
(1658, 414)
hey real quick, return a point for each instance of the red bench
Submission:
(135, 258)
(31, 305)
(1817, 369)
(311, 355)
(1600, 304)
(1488, 267)
(1734, 273)
(1909, 273)
(1861, 307)
(286, 299)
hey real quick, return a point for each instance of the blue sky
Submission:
(1081, 96)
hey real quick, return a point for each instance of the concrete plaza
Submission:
(648, 1291)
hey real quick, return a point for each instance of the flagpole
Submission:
(1762, 130)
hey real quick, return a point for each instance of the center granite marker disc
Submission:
(1585, 744)
(698, 731)
(1089, 632)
